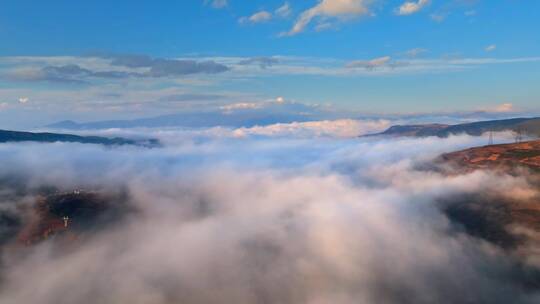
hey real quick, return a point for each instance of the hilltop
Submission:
(526, 126)
(504, 156)
(18, 136)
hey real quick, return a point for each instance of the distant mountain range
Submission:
(269, 114)
(17, 136)
(526, 126)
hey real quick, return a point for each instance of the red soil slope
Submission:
(504, 156)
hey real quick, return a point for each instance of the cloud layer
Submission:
(251, 220)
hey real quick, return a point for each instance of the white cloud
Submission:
(385, 65)
(412, 53)
(502, 108)
(505, 107)
(23, 100)
(343, 128)
(330, 9)
(323, 26)
(240, 106)
(370, 64)
(259, 17)
(261, 221)
(490, 48)
(438, 17)
(409, 8)
(284, 11)
(217, 3)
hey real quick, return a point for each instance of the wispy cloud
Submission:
(259, 17)
(370, 64)
(217, 3)
(447, 8)
(77, 69)
(284, 11)
(340, 9)
(409, 8)
(490, 48)
(413, 53)
(119, 67)
(262, 62)
(438, 17)
(263, 16)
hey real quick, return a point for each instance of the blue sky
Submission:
(67, 59)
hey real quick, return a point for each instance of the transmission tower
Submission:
(519, 136)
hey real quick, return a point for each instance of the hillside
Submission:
(507, 221)
(17, 136)
(505, 156)
(65, 215)
(527, 126)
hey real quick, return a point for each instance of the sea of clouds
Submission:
(279, 214)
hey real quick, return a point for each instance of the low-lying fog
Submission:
(237, 216)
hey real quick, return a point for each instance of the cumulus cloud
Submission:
(272, 107)
(344, 128)
(501, 108)
(330, 9)
(283, 11)
(409, 8)
(240, 106)
(505, 107)
(260, 221)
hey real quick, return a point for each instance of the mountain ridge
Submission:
(21, 136)
(527, 126)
